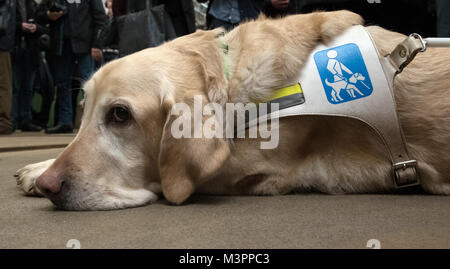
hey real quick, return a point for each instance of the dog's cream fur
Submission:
(108, 167)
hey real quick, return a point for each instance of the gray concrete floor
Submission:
(293, 221)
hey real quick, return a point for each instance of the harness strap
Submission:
(376, 108)
(405, 52)
(405, 172)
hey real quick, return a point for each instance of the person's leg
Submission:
(443, 18)
(47, 91)
(20, 71)
(27, 118)
(61, 66)
(76, 86)
(85, 65)
(5, 93)
(85, 71)
(17, 79)
(24, 79)
(216, 23)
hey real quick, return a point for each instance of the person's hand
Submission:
(32, 27)
(96, 54)
(53, 16)
(28, 27)
(25, 27)
(280, 4)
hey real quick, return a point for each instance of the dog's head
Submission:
(124, 154)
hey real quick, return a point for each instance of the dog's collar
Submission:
(226, 58)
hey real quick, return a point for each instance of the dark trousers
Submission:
(443, 18)
(44, 85)
(62, 67)
(24, 73)
(5, 90)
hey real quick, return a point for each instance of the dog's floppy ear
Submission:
(186, 163)
(203, 48)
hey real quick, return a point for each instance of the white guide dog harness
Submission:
(349, 78)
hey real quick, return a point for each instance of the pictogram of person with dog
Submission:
(343, 82)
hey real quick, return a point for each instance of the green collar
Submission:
(226, 59)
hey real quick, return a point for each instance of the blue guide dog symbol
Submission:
(343, 73)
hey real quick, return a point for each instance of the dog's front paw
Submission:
(27, 176)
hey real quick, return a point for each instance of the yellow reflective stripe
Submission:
(283, 92)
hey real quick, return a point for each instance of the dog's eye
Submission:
(119, 115)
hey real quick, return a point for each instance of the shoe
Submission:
(6, 131)
(59, 129)
(40, 123)
(30, 127)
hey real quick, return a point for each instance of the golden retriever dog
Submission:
(124, 154)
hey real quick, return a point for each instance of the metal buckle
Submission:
(410, 163)
(424, 43)
(404, 165)
(405, 52)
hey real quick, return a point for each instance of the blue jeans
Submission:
(23, 78)
(215, 23)
(62, 67)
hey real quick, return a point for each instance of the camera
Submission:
(57, 6)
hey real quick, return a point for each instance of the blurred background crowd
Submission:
(49, 47)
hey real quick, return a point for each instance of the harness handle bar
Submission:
(405, 52)
(437, 42)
